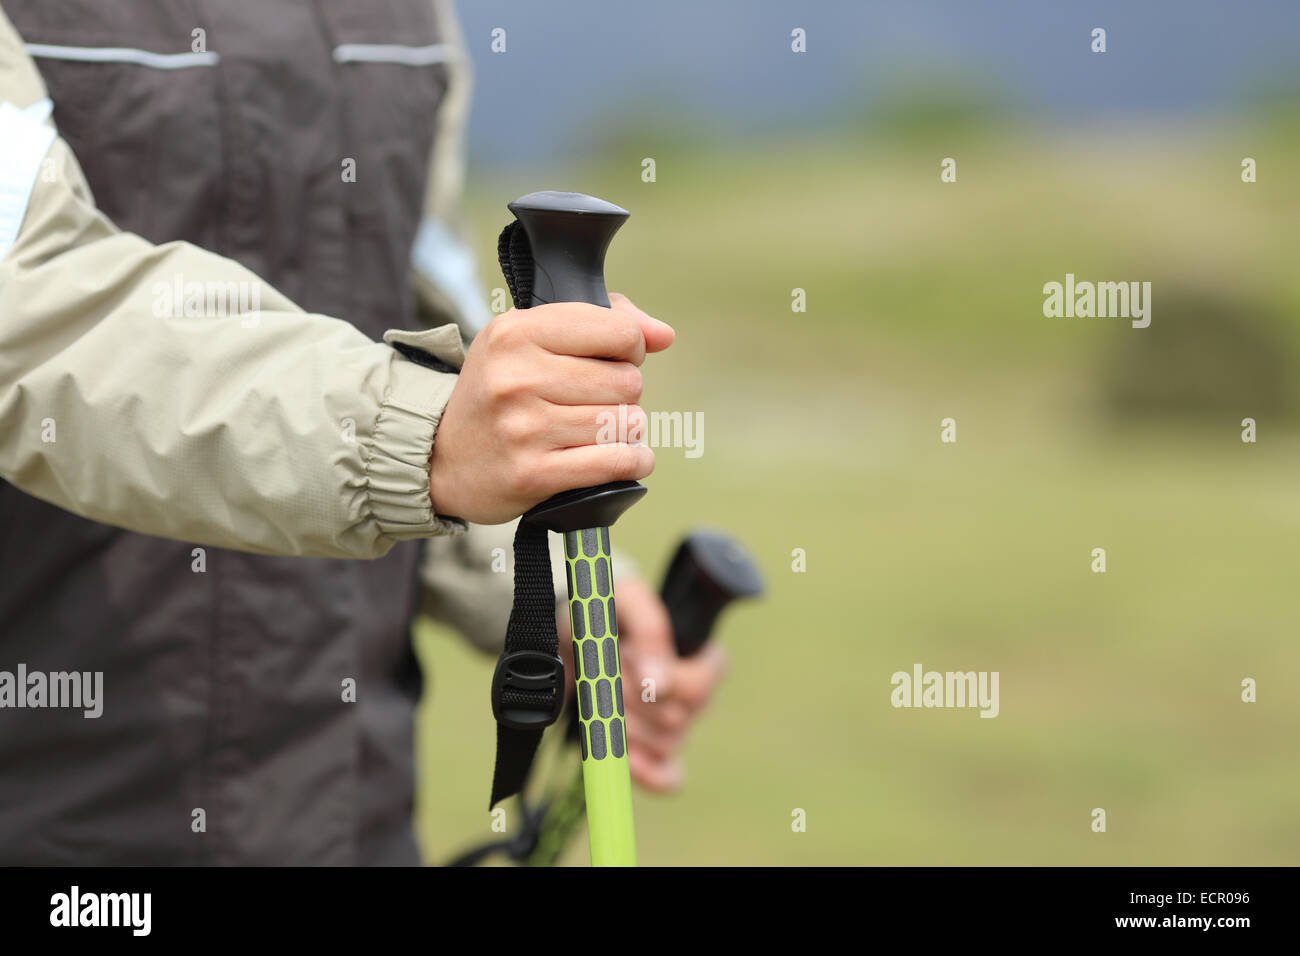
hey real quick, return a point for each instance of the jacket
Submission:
(230, 316)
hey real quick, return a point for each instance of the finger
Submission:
(573, 426)
(577, 380)
(588, 465)
(577, 328)
(659, 776)
(669, 716)
(640, 667)
(694, 678)
(649, 631)
(647, 738)
(658, 335)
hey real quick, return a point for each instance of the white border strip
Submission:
(393, 53)
(40, 110)
(449, 265)
(26, 141)
(110, 54)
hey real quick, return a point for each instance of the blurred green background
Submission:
(822, 432)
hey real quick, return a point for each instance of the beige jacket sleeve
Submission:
(268, 430)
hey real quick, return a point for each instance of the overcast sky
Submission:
(730, 60)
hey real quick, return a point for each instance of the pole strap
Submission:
(516, 257)
(528, 684)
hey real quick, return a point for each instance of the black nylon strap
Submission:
(421, 357)
(516, 258)
(532, 616)
(531, 628)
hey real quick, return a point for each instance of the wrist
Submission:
(439, 493)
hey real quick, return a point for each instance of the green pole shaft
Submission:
(605, 775)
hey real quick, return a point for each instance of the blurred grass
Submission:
(1120, 690)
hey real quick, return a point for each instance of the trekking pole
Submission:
(708, 571)
(555, 252)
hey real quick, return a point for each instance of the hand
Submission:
(656, 729)
(523, 419)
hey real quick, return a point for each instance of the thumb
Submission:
(658, 335)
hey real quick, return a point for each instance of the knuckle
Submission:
(624, 383)
(636, 424)
(496, 386)
(494, 330)
(627, 337)
(509, 329)
(633, 384)
(502, 385)
(630, 462)
(517, 428)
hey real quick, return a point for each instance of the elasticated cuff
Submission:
(397, 469)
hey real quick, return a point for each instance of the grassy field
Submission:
(1118, 690)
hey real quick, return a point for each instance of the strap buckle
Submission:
(528, 689)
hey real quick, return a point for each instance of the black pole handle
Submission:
(567, 236)
(708, 572)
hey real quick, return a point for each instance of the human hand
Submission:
(523, 419)
(678, 688)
